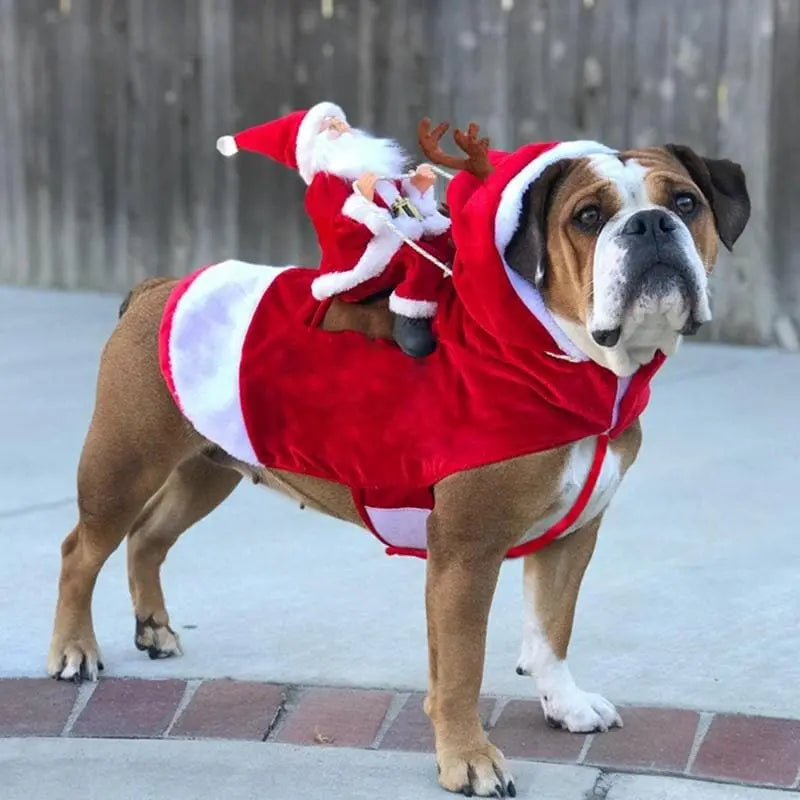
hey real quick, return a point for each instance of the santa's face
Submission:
(335, 126)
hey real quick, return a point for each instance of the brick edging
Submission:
(752, 750)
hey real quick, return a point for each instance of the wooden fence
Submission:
(109, 111)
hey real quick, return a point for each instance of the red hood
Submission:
(484, 216)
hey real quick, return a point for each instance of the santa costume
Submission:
(245, 360)
(362, 240)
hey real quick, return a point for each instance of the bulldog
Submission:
(596, 262)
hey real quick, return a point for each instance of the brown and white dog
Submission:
(621, 246)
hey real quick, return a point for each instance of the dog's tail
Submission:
(140, 289)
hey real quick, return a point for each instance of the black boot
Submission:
(413, 335)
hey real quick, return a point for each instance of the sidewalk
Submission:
(148, 770)
(756, 751)
(691, 600)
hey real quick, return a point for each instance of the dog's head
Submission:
(620, 246)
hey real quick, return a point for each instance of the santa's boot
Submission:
(413, 335)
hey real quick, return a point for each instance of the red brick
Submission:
(521, 732)
(341, 717)
(658, 739)
(129, 709)
(758, 750)
(34, 706)
(412, 729)
(230, 710)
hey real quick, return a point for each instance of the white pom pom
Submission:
(227, 146)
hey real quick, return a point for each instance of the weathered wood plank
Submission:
(109, 64)
(14, 255)
(784, 169)
(213, 221)
(744, 290)
(527, 65)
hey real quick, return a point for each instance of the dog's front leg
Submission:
(461, 577)
(552, 578)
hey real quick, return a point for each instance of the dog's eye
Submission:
(588, 218)
(685, 203)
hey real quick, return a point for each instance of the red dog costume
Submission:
(244, 360)
(361, 255)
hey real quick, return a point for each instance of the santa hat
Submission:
(288, 140)
(485, 215)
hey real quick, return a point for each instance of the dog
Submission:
(618, 245)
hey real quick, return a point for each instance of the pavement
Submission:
(690, 603)
(149, 770)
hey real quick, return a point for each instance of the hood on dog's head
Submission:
(504, 297)
(608, 251)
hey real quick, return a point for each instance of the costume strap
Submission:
(410, 242)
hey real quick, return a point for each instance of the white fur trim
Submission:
(435, 224)
(309, 128)
(425, 203)
(417, 309)
(208, 330)
(360, 209)
(377, 254)
(410, 227)
(401, 527)
(227, 146)
(507, 222)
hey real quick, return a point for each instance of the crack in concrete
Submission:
(602, 786)
(287, 701)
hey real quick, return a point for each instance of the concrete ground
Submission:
(153, 770)
(691, 599)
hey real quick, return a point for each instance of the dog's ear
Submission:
(526, 253)
(723, 184)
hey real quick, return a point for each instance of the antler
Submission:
(477, 150)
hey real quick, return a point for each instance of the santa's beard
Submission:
(352, 153)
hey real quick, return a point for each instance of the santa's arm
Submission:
(353, 218)
(434, 223)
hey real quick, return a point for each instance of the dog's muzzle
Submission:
(660, 278)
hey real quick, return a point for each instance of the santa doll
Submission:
(363, 208)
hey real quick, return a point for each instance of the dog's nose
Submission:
(653, 221)
(607, 338)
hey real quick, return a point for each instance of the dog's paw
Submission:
(160, 641)
(481, 773)
(76, 660)
(580, 712)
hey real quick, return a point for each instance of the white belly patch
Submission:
(573, 480)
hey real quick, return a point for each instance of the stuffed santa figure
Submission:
(363, 208)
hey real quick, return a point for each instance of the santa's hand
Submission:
(366, 185)
(423, 178)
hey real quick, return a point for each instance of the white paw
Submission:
(580, 712)
(75, 661)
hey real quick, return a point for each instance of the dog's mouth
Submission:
(663, 295)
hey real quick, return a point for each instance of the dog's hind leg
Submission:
(113, 487)
(552, 578)
(194, 489)
(136, 438)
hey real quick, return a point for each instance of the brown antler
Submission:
(477, 150)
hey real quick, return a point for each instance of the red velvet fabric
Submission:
(339, 406)
(360, 412)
